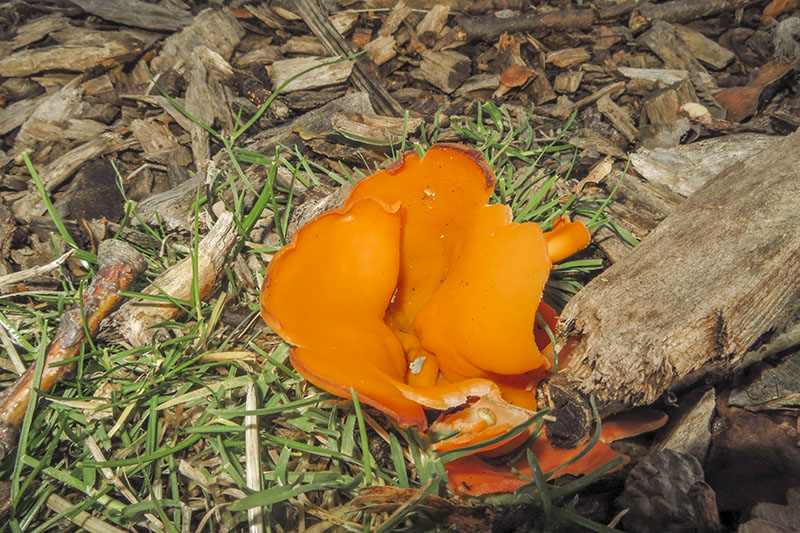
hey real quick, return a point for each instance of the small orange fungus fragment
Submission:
(473, 476)
(566, 238)
(484, 311)
(485, 419)
(326, 294)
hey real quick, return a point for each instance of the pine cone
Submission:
(666, 492)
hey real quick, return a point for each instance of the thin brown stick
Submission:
(489, 27)
(120, 264)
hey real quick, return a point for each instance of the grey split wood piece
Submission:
(714, 287)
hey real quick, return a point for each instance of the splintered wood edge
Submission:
(713, 284)
(135, 317)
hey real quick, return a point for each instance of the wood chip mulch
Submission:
(678, 84)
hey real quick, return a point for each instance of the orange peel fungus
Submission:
(419, 295)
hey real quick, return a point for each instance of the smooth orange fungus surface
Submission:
(418, 294)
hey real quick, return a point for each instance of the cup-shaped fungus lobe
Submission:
(484, 310)
(439, 195)
(326, 293)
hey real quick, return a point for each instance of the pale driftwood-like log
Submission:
(135, 319)
(686, 167)
(638, 207)
(709, 290)
(137, 13)
(641, 205)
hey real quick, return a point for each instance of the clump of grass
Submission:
(162, 437)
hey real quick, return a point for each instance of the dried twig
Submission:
(137, 317)
(490, 27)
(18, 277)
(120, 264)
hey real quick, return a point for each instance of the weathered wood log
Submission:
(714, 287)
(685, 168)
